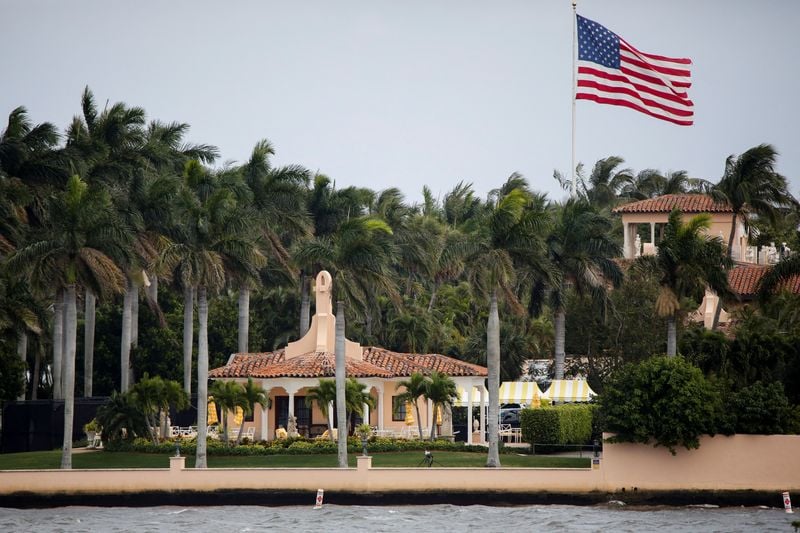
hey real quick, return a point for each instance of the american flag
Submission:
(611, 71)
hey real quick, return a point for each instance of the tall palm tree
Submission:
(508, 233)
(441, 392)
(254, 394)
(603, 185)
(324, 395)
(416, 386)
(75, 250)
(581, 252)
(21, 313)
(229, 396)
(214, 239)
(278, 195)
(687, 261)
(751, 184)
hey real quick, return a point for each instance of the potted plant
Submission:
(363, 431)
(91, 428)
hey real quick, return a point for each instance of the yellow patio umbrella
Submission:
(409, 414)
(238, 416)
(212, 412)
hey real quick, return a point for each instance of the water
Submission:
(406, 519)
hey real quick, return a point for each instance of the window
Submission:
(398, 409)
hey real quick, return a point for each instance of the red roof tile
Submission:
(743, 279)
(377, 362)
(688, 203)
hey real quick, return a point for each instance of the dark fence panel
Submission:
(38, 425)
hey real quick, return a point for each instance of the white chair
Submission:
(505, 431)
(97, 442)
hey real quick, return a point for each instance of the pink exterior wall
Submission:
(758, 462)
(741, 462)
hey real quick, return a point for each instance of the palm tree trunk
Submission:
(560, 331)
(305, 304)
(731, 235)
(37, 369)
(152, 290)
(188, 337)
(202, 378)
(134, 331)
(22, 351)
(672, 337)
(493, 364)
(89, 314)
(241, 428)
(419, 418)
(432, 301)
(125, 343)
(71, 322)
(58, 344)
(244, 318)
(432, 414)
(341, 410)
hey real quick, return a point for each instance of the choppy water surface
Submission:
(406, 519)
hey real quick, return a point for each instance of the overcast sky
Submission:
(382, 93)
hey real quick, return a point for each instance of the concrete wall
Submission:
(741, 462)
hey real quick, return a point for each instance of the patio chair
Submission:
(97, 442)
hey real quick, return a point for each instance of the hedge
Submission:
(296, 446)
(563, 424)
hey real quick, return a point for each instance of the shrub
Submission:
(664, 400)
(762, 409)
(563, 424)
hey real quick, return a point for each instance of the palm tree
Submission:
(213, 240)
(687, 262)
(229, 396)
(581, 252)
(278, 195)
(750, 184)
(784, 270)
(323, 395)
(21, 313)
(604, 183)
(509, 232)
(441, 391)
(122, 417)
(75, 250)
(416, 386)
(356, 397)
(154, 396)
(253, 394)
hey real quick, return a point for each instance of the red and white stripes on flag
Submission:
(612, 71)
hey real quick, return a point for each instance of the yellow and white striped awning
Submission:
(510, 392)
(569, 390)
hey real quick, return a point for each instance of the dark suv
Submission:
(509, 414)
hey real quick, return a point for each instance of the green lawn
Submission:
(99, 459)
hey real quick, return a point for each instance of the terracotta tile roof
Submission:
(405, 364)
(310, 365)
(377, 362)
(743, 279)
(688, 203)
(245, 364)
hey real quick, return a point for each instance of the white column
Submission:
(626, 244)
(469, 414)
(291, 403)
(380, 408)
(653, 233)
(366, 414)
(483, 414)
(330, 414)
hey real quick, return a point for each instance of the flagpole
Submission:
(574, 46)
